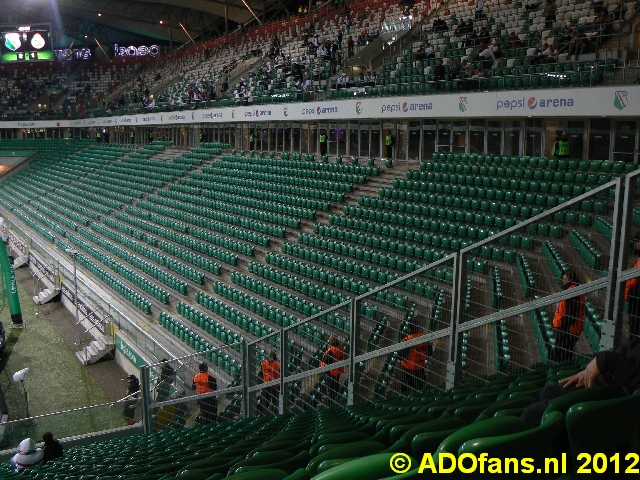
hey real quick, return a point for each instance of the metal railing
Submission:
(64, 271)
(484, 310)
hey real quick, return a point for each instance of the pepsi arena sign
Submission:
(211, 115)
(258, 113)
(406, 107)
(319, 110)
(532, 103)
(173, 118)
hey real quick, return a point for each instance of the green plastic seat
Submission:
(371, 467)
(536, 443)
(604, 426)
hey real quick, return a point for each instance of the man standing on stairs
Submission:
(252, 141)
(568, 321)
(204, 382)
(632, 293)
(414, 361)
(335, 353)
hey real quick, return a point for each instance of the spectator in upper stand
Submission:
(350, 46)
(484, 36)
(420, 54)
(460, 29)
(248, 97)
(479, 8)
(602, 26)
(454, 70)
(485, 55)
(440, 25)
(374, 78)
(474, 81)
(497, 51)
(429, 52)
(469, 25)
(565, 37)
(472, 40)
(514, 41)
(542, 55)
(619, 11)
(533, 5)
(28, 455)
(362, 39)
(550, 9)
(322, 53)
(347, 24)
(465, 69)
(439, 74)
(578, 44)
(52, 448)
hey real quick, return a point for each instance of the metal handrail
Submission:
(68, 269)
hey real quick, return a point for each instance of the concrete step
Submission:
(45, 295)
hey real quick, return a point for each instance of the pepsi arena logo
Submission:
(319, 110)
(258, 113)
(406, 107)
(125, 120)
(176, 117)
(212, 115)
(149, 119)
(532, 103)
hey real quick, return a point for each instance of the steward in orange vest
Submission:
(335, 353)
(414, 361)
(632, 293)
(568, 320)
(203, 383)
(270, 370)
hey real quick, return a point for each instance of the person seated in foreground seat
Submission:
(52, 448)
(618, 370)
(28, 455)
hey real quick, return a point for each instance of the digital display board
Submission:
(26, 43)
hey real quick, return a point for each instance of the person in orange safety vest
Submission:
(269, 371)
(204, 382)
(568, 320)
(414, 361)
(335, 353)
(632, 293)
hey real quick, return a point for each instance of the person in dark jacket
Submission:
(439, 74)
(52, 448)
(618, 370)
(133, 389)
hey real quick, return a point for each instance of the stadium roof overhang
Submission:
(139, 20)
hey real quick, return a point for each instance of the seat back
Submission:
(605, 425)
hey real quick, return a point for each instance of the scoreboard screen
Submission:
(27, 43)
